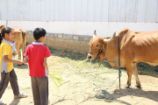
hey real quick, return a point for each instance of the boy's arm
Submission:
(45, 64)
(26, 54)
(25, 59)
(11, 60)
(47, 54)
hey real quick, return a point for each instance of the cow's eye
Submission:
(97, 45)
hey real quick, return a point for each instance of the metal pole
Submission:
(7, 14)
(119, 78)
(119, 69)
(7, 23)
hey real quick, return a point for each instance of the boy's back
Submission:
(36, 53)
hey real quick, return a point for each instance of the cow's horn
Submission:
(94, 34)
(1, 26)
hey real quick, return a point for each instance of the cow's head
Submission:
(16, 31)
(97, 48)
(103, 49)
(1, 27)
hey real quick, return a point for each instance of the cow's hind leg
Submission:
(138, 84)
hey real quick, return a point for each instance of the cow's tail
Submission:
(1, 38)
(24, 39)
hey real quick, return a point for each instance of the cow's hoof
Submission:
(139, 86)
(128, 86)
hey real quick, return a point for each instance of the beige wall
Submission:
(74, 43)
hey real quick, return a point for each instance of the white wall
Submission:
(81, 16)
(80, 10)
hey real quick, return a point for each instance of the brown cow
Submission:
(131, 47)
(1, 27)
(20, 41)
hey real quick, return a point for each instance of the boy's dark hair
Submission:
(4, 31)
(38, 33)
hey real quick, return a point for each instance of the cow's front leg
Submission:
(129, 74)
(129, 79)
(19, 55)
(18, 50)
(138, 84)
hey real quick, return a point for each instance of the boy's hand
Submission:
(14, 53)
(12, 60)
(20, 63)
(25, 59)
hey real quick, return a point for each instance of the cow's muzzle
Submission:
(89, 56)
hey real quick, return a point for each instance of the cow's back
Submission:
(139, 47)
(145, 47)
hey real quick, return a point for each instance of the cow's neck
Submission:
(112, 53)
(102, 56)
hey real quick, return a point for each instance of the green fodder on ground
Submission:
(69, 64)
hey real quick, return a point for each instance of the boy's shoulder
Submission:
(39, 45)
(29, 45)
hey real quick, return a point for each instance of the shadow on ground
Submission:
(109, 97)
(146, 69)
(24, 66)
(15, 102)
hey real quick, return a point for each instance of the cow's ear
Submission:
(1, 26)
(124, 31)
(94, 34)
